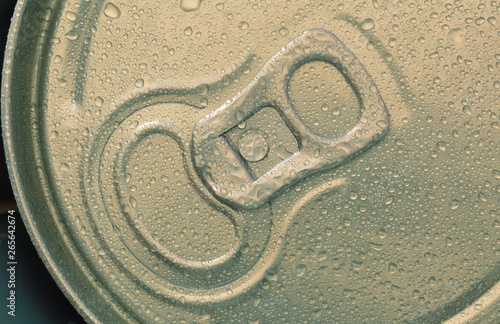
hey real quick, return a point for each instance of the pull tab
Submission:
(229, 173)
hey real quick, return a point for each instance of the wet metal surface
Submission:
(255, 162)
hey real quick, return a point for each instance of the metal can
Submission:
(260, 162)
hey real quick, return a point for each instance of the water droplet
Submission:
(454, 204)
(253, 145)
(449, 241)
(139, 83)
(271, 275)
(243, 25)
(190, 5)
(71, 16)
(202, 89)
(71, 35)
(98, 101)
(347, 292)
(188, 31)
(367, 24)
(301, 270)
(382, 123)
(317, 313)
(479, 21)
(133, 202)
(375, 246)
(111, 11)
(283, 31)
(381, 233)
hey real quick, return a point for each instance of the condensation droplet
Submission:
(449, 241)
(71, 35)
(139, 83)
(367, 24)
(98, 101)
(301, 270)
(253, 145)
(53, 134)
(71, 16)
(243, 25)
(479, 21)
(283, 31)
(382, 233)
(454, 204)
(111, 11)
(441, 146)
(190, 5)
(188, 31)
(133, 202)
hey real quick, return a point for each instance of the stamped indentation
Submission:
(253, 145)
(180, 268)
(281, 142)
(160, 203)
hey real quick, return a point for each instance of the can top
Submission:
(212, 161)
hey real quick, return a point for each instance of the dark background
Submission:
(38, 299)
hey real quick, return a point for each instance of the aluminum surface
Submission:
(138, 194)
